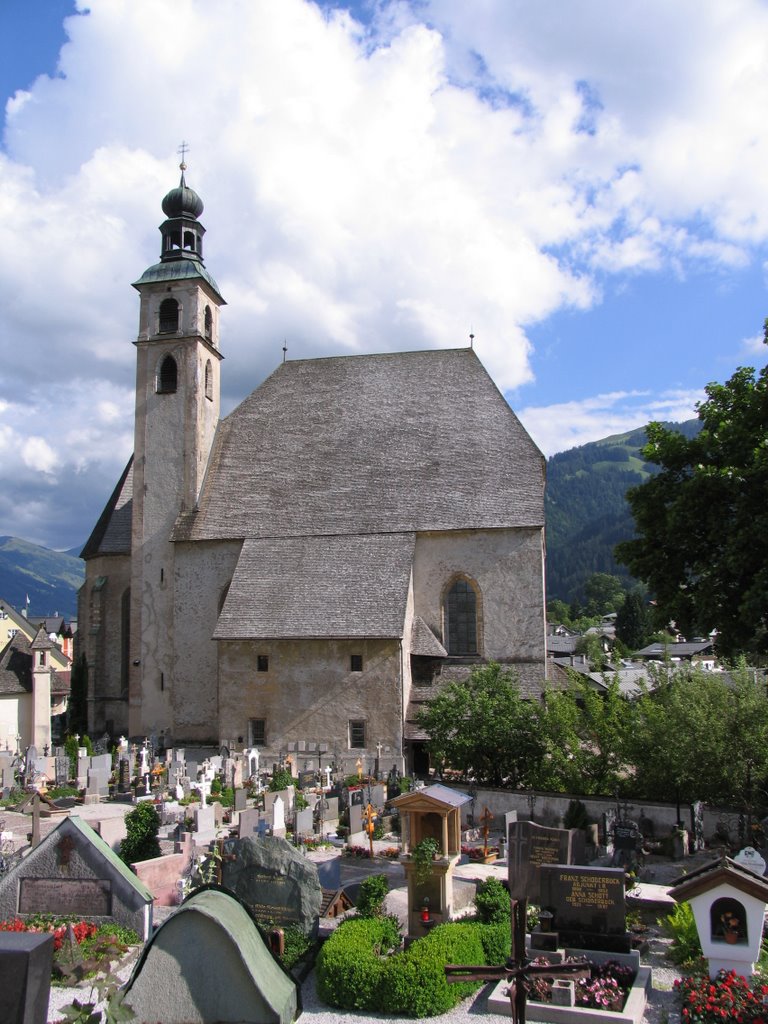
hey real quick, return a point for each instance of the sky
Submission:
(581, 186)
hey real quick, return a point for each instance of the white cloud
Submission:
(556, 428)
(458, 167)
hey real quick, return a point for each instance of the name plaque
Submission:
(87, 897)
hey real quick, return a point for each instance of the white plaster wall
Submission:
(202, 572)
(309, 694)
(507, 565)
(15, 719)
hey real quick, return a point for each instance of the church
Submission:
(301, 575)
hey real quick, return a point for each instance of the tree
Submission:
(633, 623)
(587, 734)
(142, 826)
(604, 593)
(702, 521)
(483, 728)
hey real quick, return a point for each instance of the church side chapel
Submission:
(301, 575)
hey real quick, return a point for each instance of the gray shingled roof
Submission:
(424, 642)
(16, 666)
(301, 587)
(368, 444)
(112, 533)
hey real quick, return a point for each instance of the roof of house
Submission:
(16, 661)
(392, 443)
(678, 650)
(312, 587)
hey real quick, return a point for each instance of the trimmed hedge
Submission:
(351, 962)
(354, 973)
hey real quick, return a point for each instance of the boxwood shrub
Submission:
(351, 962)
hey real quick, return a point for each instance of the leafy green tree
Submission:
(587, 733)
(604, 593)
(702, 521)
(699, 735)
(483, 728)
(591, 644)
(558, 611)
(142, 825)
(633, 622)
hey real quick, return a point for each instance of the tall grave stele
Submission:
(431, 813)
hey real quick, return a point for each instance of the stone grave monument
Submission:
(275, 881)
(529, 847)
(588, 906)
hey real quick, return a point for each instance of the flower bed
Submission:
(606, 988)
(476, 852)
(729, 997)
(97, 944)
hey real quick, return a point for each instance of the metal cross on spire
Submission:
(182, 150)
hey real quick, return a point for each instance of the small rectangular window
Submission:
(257, 732)
(356, 733)
(356, 663)
(262, 663)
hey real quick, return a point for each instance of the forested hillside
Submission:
(586, 508)
(50, 579)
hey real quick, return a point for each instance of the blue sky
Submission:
(581, 186)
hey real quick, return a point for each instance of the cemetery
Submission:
(127, 873)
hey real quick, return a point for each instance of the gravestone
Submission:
(73, 871)
(588, 906)
(249, 821)
(307, 779)
(609, 820)
(274, 880)
(278, 818)
(697, 826)
(9, 781)
(304, 822)
(26, 961)
(355, 821)
(530, 847)
(62, 769)
(124, 775)
(751, 859)
(208, 963)
(241, 800)
(205, 824)
(378, 796)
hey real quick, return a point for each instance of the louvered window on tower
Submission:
(169, 317)
(167, 378)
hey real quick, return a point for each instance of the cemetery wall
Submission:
(201, 578)
(511, 618)
(549, 809)
(310, 694)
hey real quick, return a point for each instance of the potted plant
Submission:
(422, 855)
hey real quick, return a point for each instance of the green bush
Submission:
(492, 902)
(296, 947)
(373, 891)
(414, 982)
(142, 825)
(685, 949)
(497, 942)
(350, 965)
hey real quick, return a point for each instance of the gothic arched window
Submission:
(209, 381)
(167, 377)
(169, 316)
(461, 612)
(208, 323)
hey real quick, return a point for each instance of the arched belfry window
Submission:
(167, 376)
(460, 610)
(189, 240)
(209, 381)
(169, 316)
(208, 323)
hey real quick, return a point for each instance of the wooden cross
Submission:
(518, 971)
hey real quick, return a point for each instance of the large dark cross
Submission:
(518, 971)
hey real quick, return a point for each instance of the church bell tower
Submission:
(177, 412)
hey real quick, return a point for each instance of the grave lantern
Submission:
(728, 902)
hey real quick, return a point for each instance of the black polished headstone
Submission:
(588, 906)
(26, 959)
(530, 847)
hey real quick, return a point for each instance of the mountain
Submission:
(586, 508)
(51, 579)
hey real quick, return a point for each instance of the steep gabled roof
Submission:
(395, 443)
(112, 533)
(311, 587)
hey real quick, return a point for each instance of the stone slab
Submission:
(26, 959)
(530, 846)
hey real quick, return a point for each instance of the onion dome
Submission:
(182, 201)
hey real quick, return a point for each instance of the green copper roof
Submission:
(177, 270)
